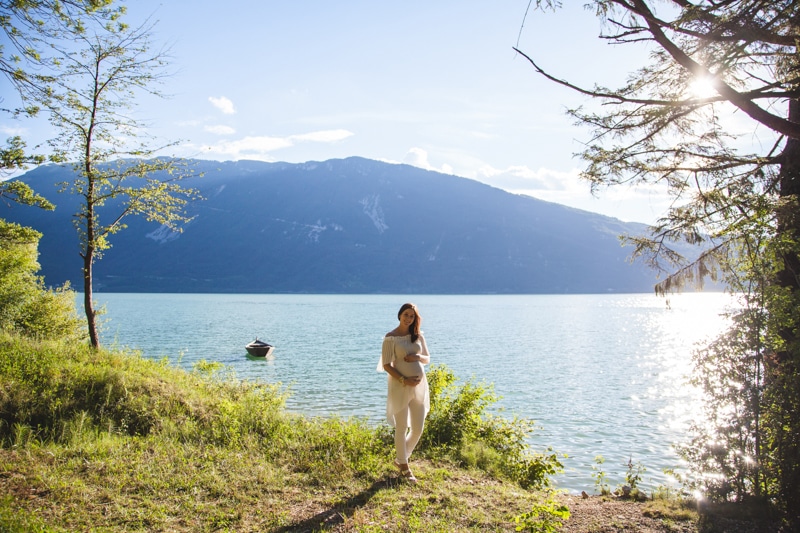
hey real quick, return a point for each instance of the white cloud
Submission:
(260, 147)
(223, 104)
(642, 203)
(418, 157)
(522, 178)
(6, 130)
(220, 130)
(483, 135)
(248, 147)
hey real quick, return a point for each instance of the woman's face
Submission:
(407, 317)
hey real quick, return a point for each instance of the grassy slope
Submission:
(110, 441)
(116, 442)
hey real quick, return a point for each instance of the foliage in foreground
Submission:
(79, 62)
(95, 439)
(92, 440)
(729, 158)
(27, 307)
(745, 445)
(460, 428)
(546, 516)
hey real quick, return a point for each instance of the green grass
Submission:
(110, 441)
(98, 440)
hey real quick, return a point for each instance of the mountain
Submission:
(344, 226)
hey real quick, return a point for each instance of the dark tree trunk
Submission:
(88, 299)
(789, 215)
(786, 375)
(88, 259)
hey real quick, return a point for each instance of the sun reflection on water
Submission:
(699, 319)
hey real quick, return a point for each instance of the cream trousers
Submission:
(404, 440)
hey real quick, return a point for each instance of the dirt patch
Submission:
(598, 514)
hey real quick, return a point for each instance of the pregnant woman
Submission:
(403, 355)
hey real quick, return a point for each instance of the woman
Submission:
(403, 355)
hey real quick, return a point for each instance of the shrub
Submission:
(52, 388)
(459, 426)
(27, 307)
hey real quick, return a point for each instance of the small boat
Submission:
(259, 348)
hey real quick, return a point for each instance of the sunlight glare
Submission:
(699, 318)
(702, 87)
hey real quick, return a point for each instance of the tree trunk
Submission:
(88, 299)
(789, 215)
(88, 258)
(787, 371)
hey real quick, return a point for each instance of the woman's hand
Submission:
(417, 357)
(412, 381)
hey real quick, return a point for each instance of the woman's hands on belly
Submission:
(411, 369)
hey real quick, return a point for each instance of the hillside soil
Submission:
(606, 515)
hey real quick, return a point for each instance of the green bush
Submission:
(48, 386)
(456, 414)
(460, 427)
(27, 307)
(331, 450)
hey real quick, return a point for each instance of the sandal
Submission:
(406, 473)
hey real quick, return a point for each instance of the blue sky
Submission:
(434, 84)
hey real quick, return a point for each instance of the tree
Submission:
(27, 307)
(27, 27)
(737, 199)
(88, 95)
(12, 158)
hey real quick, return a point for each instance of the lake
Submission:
(600, 374)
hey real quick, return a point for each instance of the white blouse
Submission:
(399, 396)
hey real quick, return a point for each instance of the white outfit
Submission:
(406, 406)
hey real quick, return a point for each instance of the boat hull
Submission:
(259, 350)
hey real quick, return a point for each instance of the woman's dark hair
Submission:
(414, 329)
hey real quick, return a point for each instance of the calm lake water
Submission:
(600, 374)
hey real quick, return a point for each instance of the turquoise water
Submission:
(600, 374)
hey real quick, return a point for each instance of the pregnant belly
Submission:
(413, 368)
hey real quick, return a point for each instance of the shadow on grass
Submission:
(336, 515)
(752, 517)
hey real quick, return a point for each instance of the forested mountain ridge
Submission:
(344, 226)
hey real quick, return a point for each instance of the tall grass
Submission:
(109, 440)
